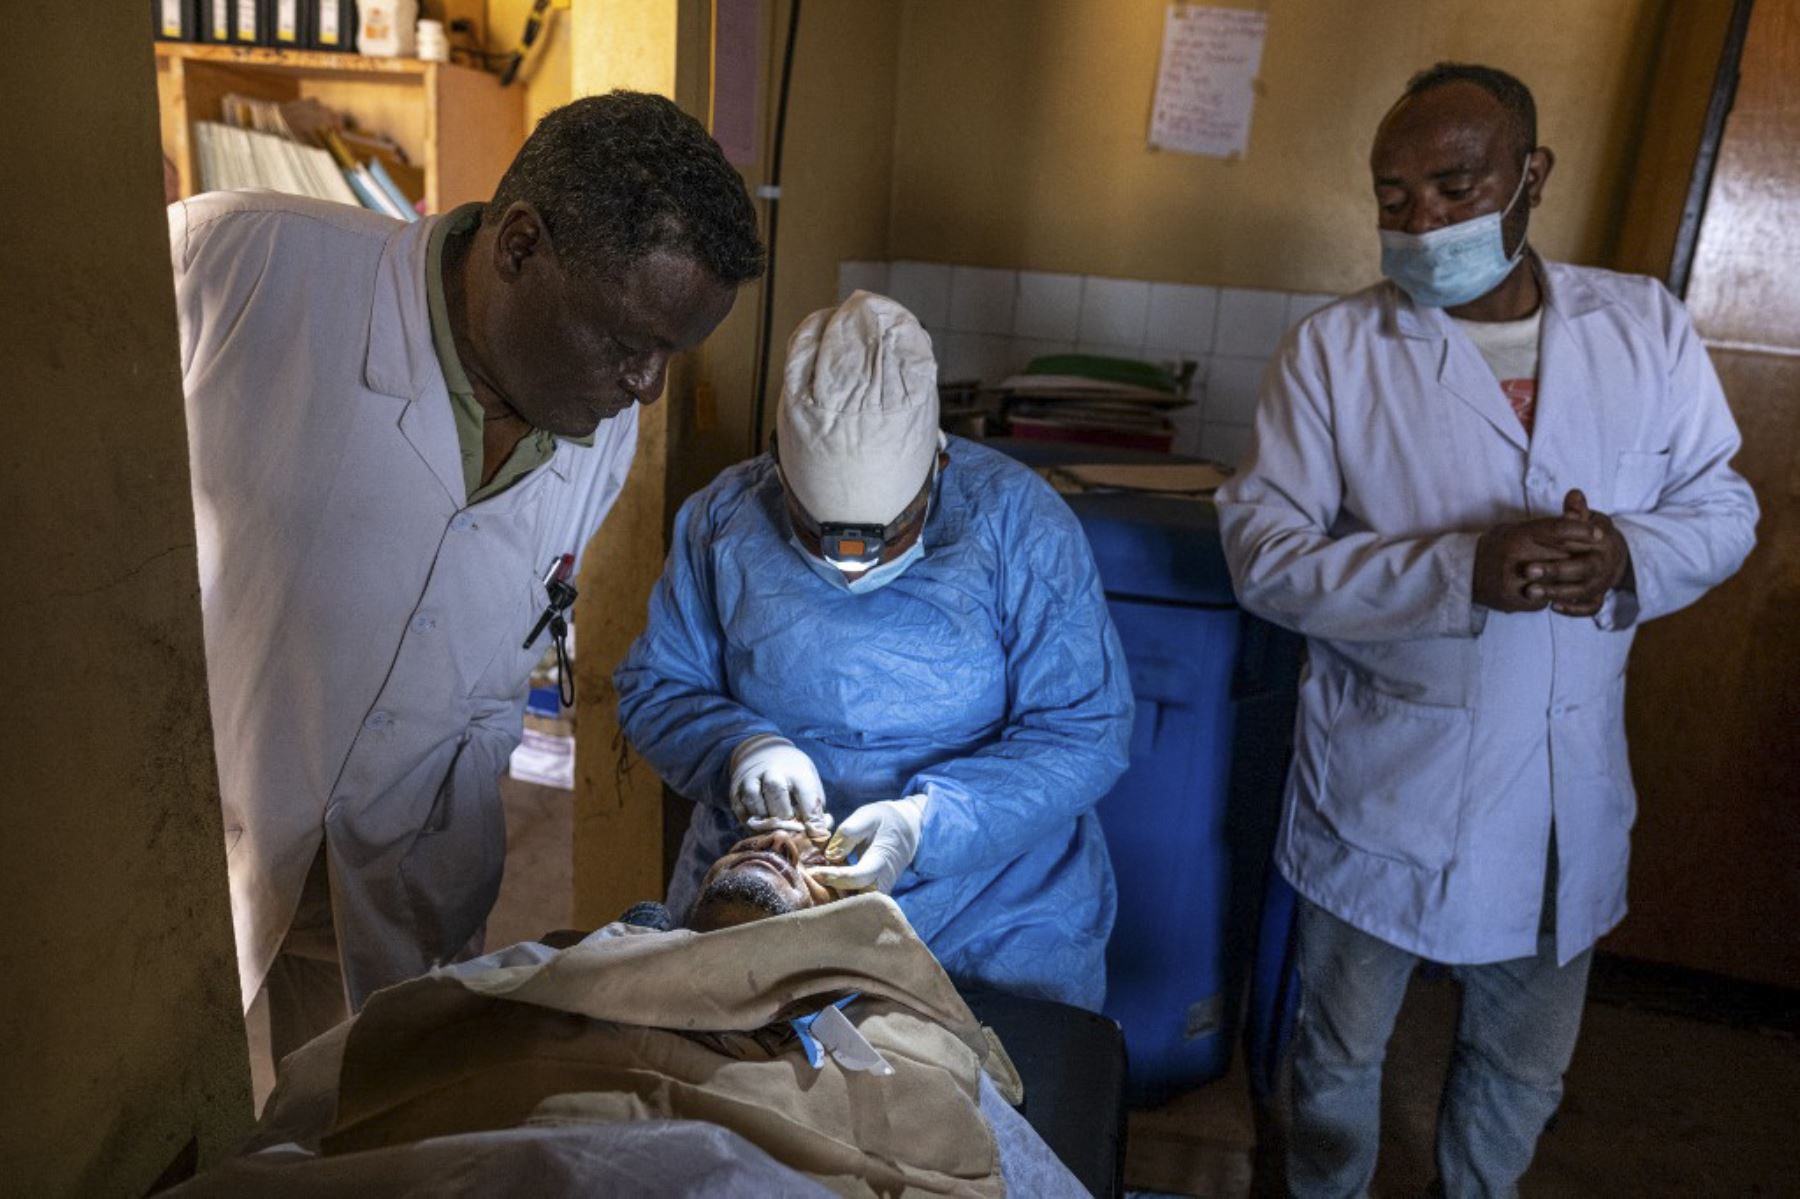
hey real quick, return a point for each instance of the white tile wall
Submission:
(861, 276)
(982, 301)
(1231, 387)
(1224, 443)
(987, 324)
(924, 287)
(1024, 349)
(983, 356)
(1302, 304)
(1114, 311)
(1181, 317)
(1250, 322)
(1049, 306)
(939, 339)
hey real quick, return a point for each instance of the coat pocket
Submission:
(1395, 775)
(452, 870)
(1588, 746)
(1638, 480)
(505, 674)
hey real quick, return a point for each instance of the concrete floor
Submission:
(1656, 1104)
(537, 892)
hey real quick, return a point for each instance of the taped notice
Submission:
(1205, 88)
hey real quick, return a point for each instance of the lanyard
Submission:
(561, 595)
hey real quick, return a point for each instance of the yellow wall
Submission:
(549, 82)
(837, 183)
(120, 1036)
(617, 843)
(1020, 134)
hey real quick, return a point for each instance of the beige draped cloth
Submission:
(681, 1025)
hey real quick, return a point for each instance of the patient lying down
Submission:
(665, 1061)
(760, 876)
(763, 875)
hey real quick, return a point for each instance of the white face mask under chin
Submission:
(1456, 264)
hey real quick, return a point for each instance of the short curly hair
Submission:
(1507, 88)
(620, 176)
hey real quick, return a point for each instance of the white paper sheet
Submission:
(544, 758)
(1205, 87)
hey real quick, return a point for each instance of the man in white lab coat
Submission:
(1468, 485)
(395, 429)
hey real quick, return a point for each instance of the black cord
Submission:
(565, 670)
(774, 185)
(533, 22)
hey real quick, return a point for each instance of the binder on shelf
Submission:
(333, 25)
(368, 192)
(250, 23)
(403, 207)
(176, 20)
(290, 23)
(216, 20)
(359, 191)
(362, 181)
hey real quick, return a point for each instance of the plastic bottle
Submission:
(387, 28)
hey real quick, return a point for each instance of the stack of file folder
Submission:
(256, 147)
(1093, 400)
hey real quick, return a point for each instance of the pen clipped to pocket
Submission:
(560, 597)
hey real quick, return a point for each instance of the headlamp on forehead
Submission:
(854, 548)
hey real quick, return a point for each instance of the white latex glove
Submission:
(775, 785)
(886, 837)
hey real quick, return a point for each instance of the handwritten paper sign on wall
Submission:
(1204, 94)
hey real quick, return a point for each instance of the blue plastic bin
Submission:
(1169, 970)
(1191, 822)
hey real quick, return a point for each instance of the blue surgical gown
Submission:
(988, 677)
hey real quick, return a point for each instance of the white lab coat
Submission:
(364, 625)
(1436, 742)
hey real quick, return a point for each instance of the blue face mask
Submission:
(881, 574)
(1455, 264)
(872, 579)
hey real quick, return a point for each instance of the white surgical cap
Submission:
(858, 423)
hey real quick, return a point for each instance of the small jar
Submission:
(433, 45)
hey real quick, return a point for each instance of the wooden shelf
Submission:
(456, 124)
(300, 62)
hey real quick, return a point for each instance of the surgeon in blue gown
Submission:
(904, 634)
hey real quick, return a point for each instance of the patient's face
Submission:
(760, 876)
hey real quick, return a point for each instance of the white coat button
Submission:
(462, 522)
(1559, 711)
(1538, 479)
(423, 624)
(378, 720)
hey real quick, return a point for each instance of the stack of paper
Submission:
(233, 159)
(255, 147)
(1091, 399)
(1184, 480)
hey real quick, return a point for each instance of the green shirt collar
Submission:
(536, 447)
